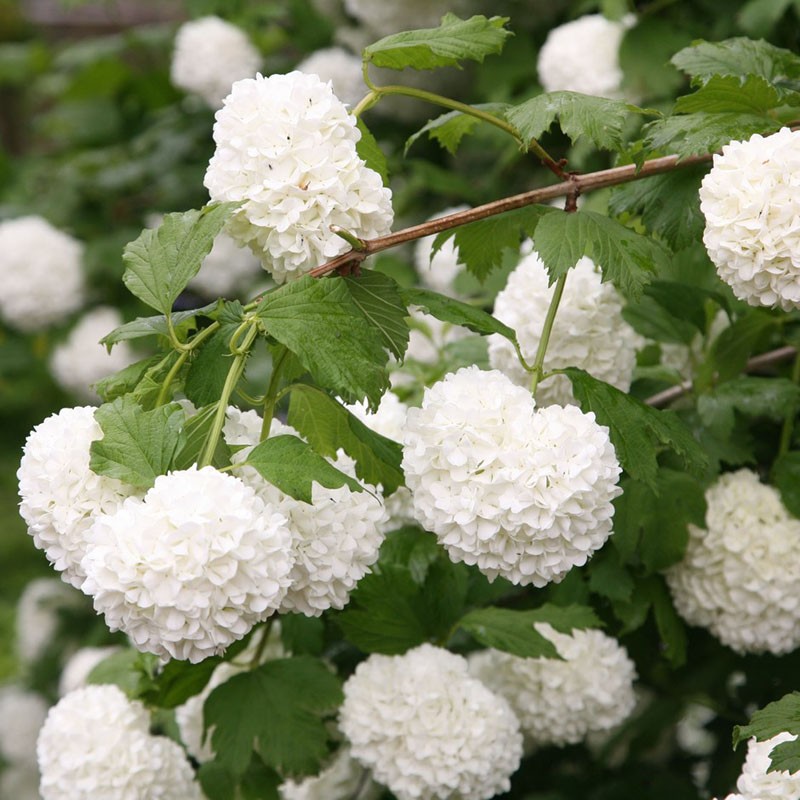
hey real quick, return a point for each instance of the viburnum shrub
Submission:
(529, 532)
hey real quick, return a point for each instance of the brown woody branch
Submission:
(577, 184)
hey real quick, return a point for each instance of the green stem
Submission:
(232, 378)
(538, 361)
(262, 644)
(174, 370)
(271, 397)
(788, 423)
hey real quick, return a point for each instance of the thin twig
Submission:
(577, 184)
(754, 364)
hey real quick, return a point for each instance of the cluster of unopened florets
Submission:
(750, 204)
(521, 492)
(740, 577)
(97, 743)
(41, 271)
(286, 150)
(589, 331)
(427, 729)
(210, 55)
(562, 701)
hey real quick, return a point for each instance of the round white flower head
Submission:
(37, 619)
(691, 732)
(389, 420)
(60, 495)
(209, 56)
(342, 779)
(20, 782)
(341, 68)
(96, 743)
(227, 270)
(189, 715)
(740, 578)
(41, 271)
(750, 206)
(22, 714)
(427, 729)
(81, 360)
(439, 272)
(589, 331)
(561, 702)
(190, 568)
(755, 783)
(583, 56)
(286, 150)
(521, 493)
(75, 674)
(335, 538)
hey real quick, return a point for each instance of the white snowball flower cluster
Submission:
(96, 743)
(286, 150)
(750, 205)
(22, 714)
(336, 538)
(755, 783)
(37, 617)
(189, 715)
(79, 666)
(41, 272)
(60, 494)
(190, 568)
(210, 55)
(740, 578)
(227, 270)
(583, 56)
(521, 493)
(589, 331)
(439, 272)
(389, 420)
(561, 702)
(81, 360)
(341, 68)
(427, 729)
(691, 732)
(341, 779)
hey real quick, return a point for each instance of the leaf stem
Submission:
(232, 378)
(271, 397)
(163, 392)
(538, 361)
(788, 422)
(262, 643)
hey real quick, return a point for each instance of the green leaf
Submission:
(653, 522)
(608, 577)
(129, 669)
(455, 40)
(122, 382)
(279, 709)
(670, 626)
(778, 717)
(513, 631)
(482, 244)
(195, 433)
(731, 349)
(625, 257)
(302, 635)
(668, 205)
(696, 134)
(329, 426)
(759, 17)
(210, 364)
(636, 430)
(728, 93)
(652, 320)
(380, 301)
(785, 477)
(155, 326)
(450, 128)
(370, 152)
(738, 56)
(180, 680)
(447, 309)
(600, 120)
(137, 446)
(293, 466)
(318, 321)
(218, 782)
(749, 395)
(160, 263)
